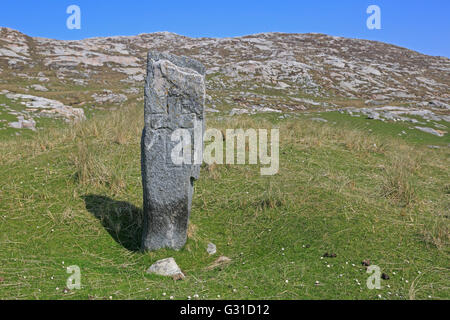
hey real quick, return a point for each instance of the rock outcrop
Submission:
(249, 68)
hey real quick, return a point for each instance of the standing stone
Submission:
(174, 99)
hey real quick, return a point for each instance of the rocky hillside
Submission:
(262, 72)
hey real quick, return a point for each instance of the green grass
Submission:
(72, 196)
(390, 129)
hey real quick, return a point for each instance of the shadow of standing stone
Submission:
(121, 219)
(174, 99)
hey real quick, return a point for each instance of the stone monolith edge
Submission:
(174, 99)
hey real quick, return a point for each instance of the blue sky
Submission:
(416, 24)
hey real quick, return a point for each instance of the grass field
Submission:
(72, 196)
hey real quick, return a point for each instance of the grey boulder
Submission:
(211, 249)
(166, 267)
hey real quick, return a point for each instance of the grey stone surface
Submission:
(319, 119)
(166, 267)
(430, 130)
(211, 249)
(23, 124)
(373, 115)
(174, 99)
(439, 104)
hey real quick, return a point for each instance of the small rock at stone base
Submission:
(212, 249)
(166, 267)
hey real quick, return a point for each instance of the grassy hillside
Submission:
(72, 196)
